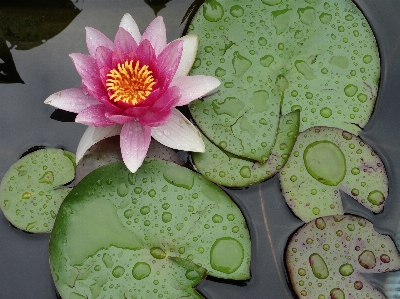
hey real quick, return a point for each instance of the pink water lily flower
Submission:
(131, 86)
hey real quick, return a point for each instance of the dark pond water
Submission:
(42, 62)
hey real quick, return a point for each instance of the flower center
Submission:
(130, 84)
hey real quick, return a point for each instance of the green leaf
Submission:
(230, 170)
(29, 192)
(155, 232)
(273, 57)
(326, 160)
(325, 258)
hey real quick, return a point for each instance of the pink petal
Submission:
(93, 135)
(168, 61)
(150, 100)
(190, 45)
(120, 119)
(129, 24)
(94, 116)
(156, 34)
(124, 41)
(167, 100)
(179, 133)
(146, 55)
(155, 119)
(104, 57)
(88, 70)
(134, 141)
(110, 106)
(95, 39)
(194, 87)
(137, 111)
(118, 57)
(73, 100)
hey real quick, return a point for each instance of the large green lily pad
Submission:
(30, 193)
(325, 258)
(152, 234)
(230, 170)
(275, 56)
(325, 160)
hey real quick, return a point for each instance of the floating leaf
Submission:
(29, 192)
(108, 150)
(326, 160)
(157, 231)
(273, 57)
(229, 170)
(325, 258)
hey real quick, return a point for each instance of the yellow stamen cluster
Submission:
(130, 84)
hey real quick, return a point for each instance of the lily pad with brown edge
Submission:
(275, 56)
(31, 191)
(326, 257)
(155, 233)
(325, 160)
(226, 169)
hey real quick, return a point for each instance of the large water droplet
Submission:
(181, 178)
(367, 259)
(245, 172)
(223, 262)
(158, 253)
(47, 178)
(166, 217)
(240, 64)
(346, 269)
(237, 11)
(118, 271)
(325, 162)
(376, 197)
(141, 270)
(213, 10)
(266, 60)
(318, 266)
(350, 90)
(306, 15)
(337, 293)
(122, 190)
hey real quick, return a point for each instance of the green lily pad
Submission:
(325, 258)
(273, 57)
(230, 170)
(326, 160)
(151, 234)
(29, 192)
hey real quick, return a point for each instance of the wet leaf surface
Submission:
(166, 228)
(325, 160)
(326, 257)
(230, 170)
(29, 192)
(273, 57)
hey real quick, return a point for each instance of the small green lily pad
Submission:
(226, 169)
(155, 233)
(325, 160)
(29, 192)
(325, 258)
(273, 57)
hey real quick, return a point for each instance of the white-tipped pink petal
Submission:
(134, 141)
(73, 100)
(129, 24)
(156, 34)
(93, 135)
(194, 87)
(94, 116)
(179, 133)
(190, 45)
(124, 41)
(95, 39)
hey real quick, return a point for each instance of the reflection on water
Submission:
(156, 5)
(29, 23)
(8, 72)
